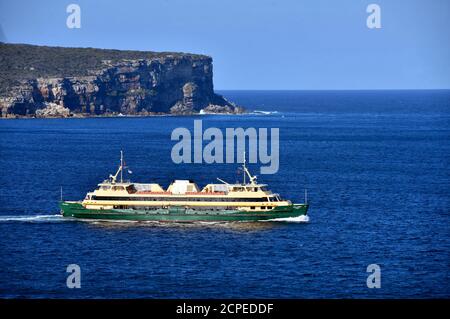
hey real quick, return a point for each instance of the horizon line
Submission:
(305, 90)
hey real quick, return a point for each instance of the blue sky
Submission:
(261, 44)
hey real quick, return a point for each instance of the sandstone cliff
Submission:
(46, 81)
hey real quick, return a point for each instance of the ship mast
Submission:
(119, 170)
(121, 166)
(244, 167)
(246, 172)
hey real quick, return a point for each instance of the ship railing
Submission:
(156, 193)
(186, 193)
(206, 193)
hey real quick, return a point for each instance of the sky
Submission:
(260, 44)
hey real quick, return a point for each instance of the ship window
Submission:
(131, 189)
(253, 207)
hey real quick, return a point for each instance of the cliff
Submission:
(59, 82)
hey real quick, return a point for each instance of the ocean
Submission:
(375, 164)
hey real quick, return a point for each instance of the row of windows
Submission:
(149, 208)
(183, 199)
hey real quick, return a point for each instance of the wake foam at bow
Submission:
(298, 219)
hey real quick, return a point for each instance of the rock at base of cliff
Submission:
(194, 102)
(181, 108)
(53, 110)
(220, 109)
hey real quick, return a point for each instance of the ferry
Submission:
(182, 201)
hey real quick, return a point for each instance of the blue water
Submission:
(376, 166)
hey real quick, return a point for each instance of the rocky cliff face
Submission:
(166, 83)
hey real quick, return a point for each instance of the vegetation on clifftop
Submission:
(20, 62)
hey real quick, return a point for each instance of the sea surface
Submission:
(375, 164)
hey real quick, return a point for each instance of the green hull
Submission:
(178, 214)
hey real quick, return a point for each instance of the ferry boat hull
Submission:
(179, 214)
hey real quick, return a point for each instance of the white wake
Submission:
(31, 218)
(298, 219)
(257, 112)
